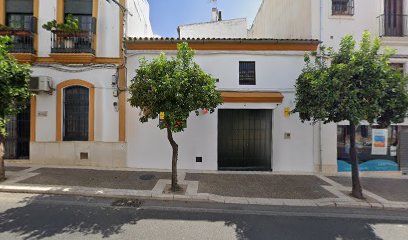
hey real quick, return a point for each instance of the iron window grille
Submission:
(343, 7)
(76, 113)
(247, 75)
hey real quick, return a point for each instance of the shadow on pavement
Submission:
(48, 216)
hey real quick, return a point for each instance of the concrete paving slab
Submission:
(96, 178)
(391, 189)
(261, 186)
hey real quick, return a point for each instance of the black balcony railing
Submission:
(22, 38)
(393, 25)
(81, 42)
(78, 42)
(22, 41)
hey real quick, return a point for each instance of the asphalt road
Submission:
(27, 216)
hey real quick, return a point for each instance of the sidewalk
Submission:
(222, 187)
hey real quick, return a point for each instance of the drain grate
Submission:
(147, 177)
(127, 203)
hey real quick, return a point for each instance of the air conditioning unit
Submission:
(41, 84)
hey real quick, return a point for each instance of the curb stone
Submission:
(113, 193)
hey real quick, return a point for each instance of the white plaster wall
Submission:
(283, 19)
(106, 118)
(235, 28)
(365, 18)
(47, 12)
(297, 153)
(108, 29)
(139, 22)
(148, 146)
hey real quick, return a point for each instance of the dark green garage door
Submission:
(244, 139)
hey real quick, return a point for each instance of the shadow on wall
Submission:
(48, 216)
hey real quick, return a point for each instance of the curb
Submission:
(200, 197)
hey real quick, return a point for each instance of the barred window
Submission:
(76, 113)
(343, 7)
(247, 74)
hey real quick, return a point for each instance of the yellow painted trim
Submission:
(60, 88)
(33, 118)
(84, 58)
(60, 11)
(122, 82)
(252, 97)
(122, 105)
(36, 13)
(96, 60)
(2, 12)
(24, 57)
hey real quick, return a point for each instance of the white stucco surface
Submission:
(148, 146)
(235, 28)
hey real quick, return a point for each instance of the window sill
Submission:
(342, 17)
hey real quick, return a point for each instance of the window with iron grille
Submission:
(247, 74)
(343, 7)
(76, 113)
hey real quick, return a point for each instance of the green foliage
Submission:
(176, 86)
(70, 26)
(352, 84)
(14, 78)
(4, 27)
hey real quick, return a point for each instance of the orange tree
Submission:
(173, 87)
(14, 91)
(352, 85)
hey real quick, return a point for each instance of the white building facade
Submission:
(77, 115)
(252, 130)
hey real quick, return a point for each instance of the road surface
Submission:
(28, 216)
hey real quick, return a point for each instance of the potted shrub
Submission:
(64, 31)
(5, 30)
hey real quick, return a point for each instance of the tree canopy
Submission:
(352, 84)
(14, 78)
(175, 86)
(14, 92)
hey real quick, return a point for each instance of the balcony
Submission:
(22, 41)
(393, 25)
(77, 46)
(22, 36)
(81, 42)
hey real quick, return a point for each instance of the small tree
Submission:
(173, 88)
(356, 85)
(14, 91)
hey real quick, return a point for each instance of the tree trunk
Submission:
(2, 169)
(357, 191)
(174, 185)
